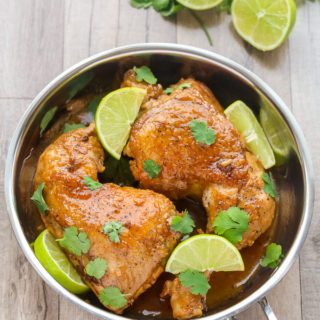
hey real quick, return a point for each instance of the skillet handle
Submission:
(267, 309)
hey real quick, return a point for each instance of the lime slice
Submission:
(57, 264)
(265, 24)
(199, 4)
(246, 123)
(114, 117)
(205, 252)
(277, 134)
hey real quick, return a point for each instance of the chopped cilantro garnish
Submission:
(72, 126)
(273, 256)
(152, 168)
(184, 86)
(113, 229)
(112, 296)
(97, 268)
(202, 133)
(183, 224)
(169, 90)
(47, 118)
(196, 280)
(145, 74)
(38, 200)
(181, 87)
(93, 106)
(91, 184)
(231, 224)
(76, 242)
(269, 186)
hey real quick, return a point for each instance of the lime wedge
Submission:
(205, 252)
(199, 4)
(246, 123)
(114, 117)
(57, 264)
(265, 24)
(277, 134)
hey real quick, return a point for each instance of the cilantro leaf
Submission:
(112, 296)
(269, 186)
(113, 229)
(91, 184)
(172, 9)
(78, 83)
(152, 168)
(72, 126)
(145, 74)
(196, 280)
(38, 200)
(169, 90)
(47, 118)
(160, 5)
(183, 224)
(202, 133)
(184, 86)
(231, 224)
(76, 242)
(273, 256)
(141, 3)
(97, 268)
(181, 87)
(93, 106)
(118, 171)
(225, 4)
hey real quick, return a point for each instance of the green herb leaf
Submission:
(184, 86)
(273, 256)
(47, 118)
(152, 168)
(172, 9)
(145, 74)
(269, 186)
(141, 3)
(231, 224)
(118, 171)
(196, 280)
(91, 184)
(38, 200)
(169, 90)
(226, 4)
(183, 224)
(78, 83)
(113, 229)
(202, 133)
(76, 242)
(93, 106)
(112, 296)
(72, 126)
(160, 5)
(97, 268)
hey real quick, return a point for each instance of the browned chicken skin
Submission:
(139, 258)
(223, 175)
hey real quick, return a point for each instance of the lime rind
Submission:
(200, 4)
(264, 24)
(57, 264)
(205, 252)
(244, 120)
(114, 117)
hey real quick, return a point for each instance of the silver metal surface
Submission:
(230, 81)
(267, 309)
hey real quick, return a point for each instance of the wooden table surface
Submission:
(40, 39)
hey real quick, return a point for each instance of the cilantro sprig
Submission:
(145, 74)
(112, 296)
(273, 256)
(113, 229)
(93, 106)
(152, 168)
(181, 87)
(231, 224)
(269, 186)
(38, 200)
(97, 268)
(196, 280)
(183, 224)
(91, 184)
(75, 241)
(47, 119)
(202, 133)
(72, 126)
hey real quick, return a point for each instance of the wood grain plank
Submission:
(31, 35)
(305, 80)
(23, 294)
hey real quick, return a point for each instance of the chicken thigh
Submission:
(134, 263)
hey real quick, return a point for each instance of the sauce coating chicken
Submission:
(134, 263)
